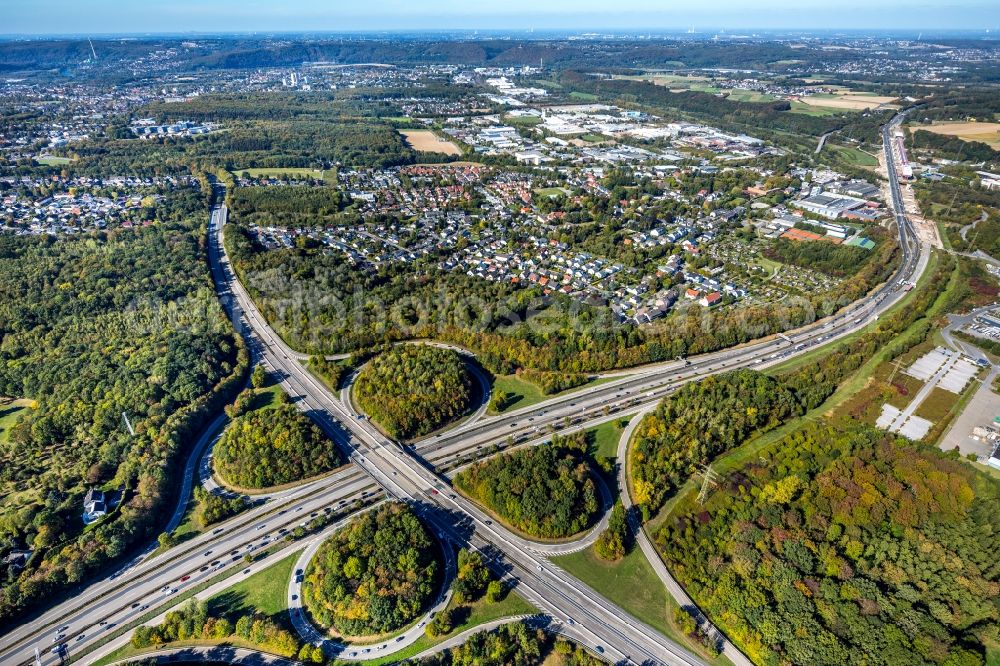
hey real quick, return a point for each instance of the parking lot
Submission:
(978, 413)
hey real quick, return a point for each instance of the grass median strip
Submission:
(262, 600)
(524, 393)
(632, 584)
(172, 602)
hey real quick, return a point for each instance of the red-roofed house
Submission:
(708, 300)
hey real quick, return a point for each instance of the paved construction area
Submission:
(958, 370)
(939, 367)
(959, 375)
(893, 419)
(925, 366)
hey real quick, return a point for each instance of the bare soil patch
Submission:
(427, 141)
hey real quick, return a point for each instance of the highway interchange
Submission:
(384, 468)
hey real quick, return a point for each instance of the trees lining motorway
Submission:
(119, 600)
(596, 622)
(405, 477)
(411, 481)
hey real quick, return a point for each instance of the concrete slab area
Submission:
(925, 366)
(887, 417)
(940, 367)
(959, 375)
(914, 428)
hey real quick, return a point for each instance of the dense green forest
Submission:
(953, 148)
(290, 206)
(698, 422)
(291, 131)
(545, 491)
(321, 303)
(281, 105)
(193, 622)
(514, 644)
(472, 577)
(373, 576)
(211, 508)
(831, 258)
(411, 390)
(271, 447)
(615, 541)
(93, 326)
(274, 130)
(960, 104)
(846, 547)
(331, 372)
(553, 382)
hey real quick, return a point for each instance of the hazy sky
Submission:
(112, 16)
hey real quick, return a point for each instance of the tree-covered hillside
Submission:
(697, 423)
(411, 390)
(846, 548)
(375, 575)
(287, 206)
(271, 447)
(545, 491)
(90, 327)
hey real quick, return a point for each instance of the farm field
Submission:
(803, 108)
(821, 104)
(851, 155)
(426, 141)
(988, 133)
(847, 101)
(523, 121)
(678, 83)
(745, 95)
(669, 80)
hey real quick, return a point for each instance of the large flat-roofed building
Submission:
(989, 181)
(859, 188)
(830, 206)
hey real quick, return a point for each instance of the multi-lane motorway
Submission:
(595, 621)
(408, 474)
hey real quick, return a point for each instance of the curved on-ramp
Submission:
(675, 589)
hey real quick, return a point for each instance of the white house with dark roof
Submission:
(94, 505)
